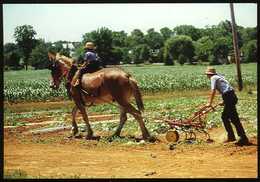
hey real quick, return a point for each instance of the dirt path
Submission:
(53, 155)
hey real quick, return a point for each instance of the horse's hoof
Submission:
(70, 137)
(93, 138)
(78, 136)
(113, 137)
(74, 132)
(151, 139)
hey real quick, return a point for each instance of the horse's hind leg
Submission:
(138, 116)
(122, 121)
(74, 129)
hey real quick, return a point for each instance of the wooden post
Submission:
(236, 50)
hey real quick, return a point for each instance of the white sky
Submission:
(54, 22)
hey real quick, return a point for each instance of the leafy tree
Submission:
(250, 51)
(58, 47)
(182, 59)
(12, 55)
(155, 42)
(117, 55)
(167, 55)
(39, 59)
(79, 53)
(187, 30)
(136, 37)
(166, 33)
(120, 51)
(178, 45)
(203, 48)
(220, 51)
(224, 28)
(153, 39)
(119, 39)
(140, 53)
(24, 36)
(126, 57)
(247, 34)
(102, 38)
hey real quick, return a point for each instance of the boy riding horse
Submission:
(90, 65)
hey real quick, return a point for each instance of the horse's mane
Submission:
(68, 61)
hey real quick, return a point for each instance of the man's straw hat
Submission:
(210, 71)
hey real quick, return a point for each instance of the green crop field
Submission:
(33, 85)
(169, 92)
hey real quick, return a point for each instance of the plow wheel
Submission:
(172, 136)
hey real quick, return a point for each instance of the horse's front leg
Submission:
(77, 100)
(74, 129)
(89, 135)
(85, 118)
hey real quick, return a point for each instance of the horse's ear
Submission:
(51, 56)
(58, 56)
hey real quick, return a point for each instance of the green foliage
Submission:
(24, 36)
(166, 33)
(203, 48)
(140, 53)
(178, 45)
(136, 37)
(12, 56)
(182, 59)
(102, 38)
(33, 85)
(220, 51)
(58, 47)
(119, 39)
(250, 51)
(167, 56)
(153, 39)
(39, 55)
(79, 53)
(187, 30)
(248, 34)
(117, 55)
(116, 46)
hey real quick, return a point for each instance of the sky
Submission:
(53, 22)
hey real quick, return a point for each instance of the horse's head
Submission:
(59, 69)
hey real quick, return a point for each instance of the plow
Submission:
(190, 126)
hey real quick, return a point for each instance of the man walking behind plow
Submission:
(229, 114)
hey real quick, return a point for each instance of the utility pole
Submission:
(236, 50)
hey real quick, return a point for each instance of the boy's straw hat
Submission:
(89, 45)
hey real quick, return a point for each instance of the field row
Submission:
(34, 85)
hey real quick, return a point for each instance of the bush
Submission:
(182, 59)
(250, 51)
(220, 51)
(178, 45)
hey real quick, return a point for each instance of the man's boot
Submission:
(230, 139)
(243, 141)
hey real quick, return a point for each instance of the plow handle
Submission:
(204, 110)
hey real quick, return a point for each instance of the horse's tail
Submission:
(137, 94)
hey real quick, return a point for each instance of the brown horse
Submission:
(111, 84)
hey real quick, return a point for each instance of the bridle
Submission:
(64, 71)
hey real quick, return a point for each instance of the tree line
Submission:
(181, 44)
